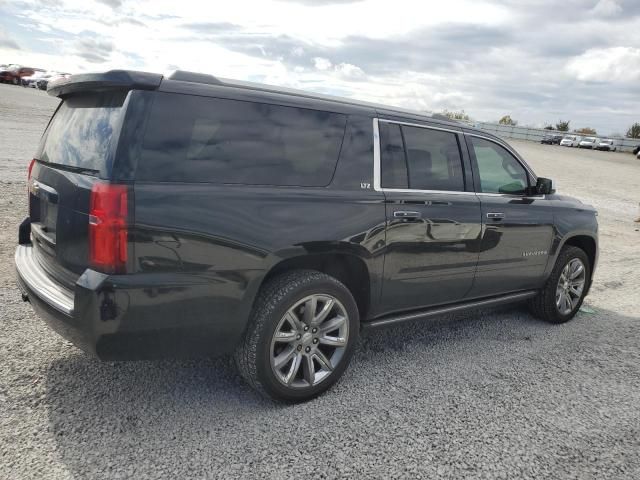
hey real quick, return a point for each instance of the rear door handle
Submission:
(406, 214)
(495, 215)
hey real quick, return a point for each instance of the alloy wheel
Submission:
(309, 341)
(570, 286)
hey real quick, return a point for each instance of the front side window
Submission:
(499, 171)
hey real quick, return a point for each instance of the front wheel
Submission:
(564, 292)
(301, 336)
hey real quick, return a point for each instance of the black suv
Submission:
(194, 215)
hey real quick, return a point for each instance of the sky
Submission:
(538, 61)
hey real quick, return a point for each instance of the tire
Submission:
(259, 354)
(544, 305)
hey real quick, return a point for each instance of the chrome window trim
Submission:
(411, 190)
(409, 124)
(376, 165)
(376, 156)
(510, 195)
(376, 161)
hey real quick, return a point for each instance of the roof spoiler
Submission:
(113, 79)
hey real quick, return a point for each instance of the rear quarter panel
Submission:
(204, 249)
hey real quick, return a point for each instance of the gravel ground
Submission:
(487, 394)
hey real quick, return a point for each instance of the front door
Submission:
(517, 224)
(433, 218)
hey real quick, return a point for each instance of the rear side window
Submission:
(199, 139)
(433, 159)
(82, 132)
(420, 158)
(393, 168)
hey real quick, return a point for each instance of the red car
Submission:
(15, 73)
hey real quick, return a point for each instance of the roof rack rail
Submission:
(184, 76)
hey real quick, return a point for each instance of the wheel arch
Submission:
(587, 243)
(349, 269)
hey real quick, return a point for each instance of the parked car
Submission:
(32, 80)
(14, 74)
(606, 144)
(636, 151)
(44, 82)
(571, 141)
(551, 139)
(589, 142)
(193, 215)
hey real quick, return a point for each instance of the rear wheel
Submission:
(301, 336)
(564, 292)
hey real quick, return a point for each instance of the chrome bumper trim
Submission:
(37, 280)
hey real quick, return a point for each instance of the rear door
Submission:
(517, 224)
(433, 216)
(76, 151)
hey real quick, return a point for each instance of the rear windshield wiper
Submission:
(72, 168)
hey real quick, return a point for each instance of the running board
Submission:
(432, 312)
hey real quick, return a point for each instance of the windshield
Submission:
(81, 132)
(608, 142)
(589, 140)
(569, 137)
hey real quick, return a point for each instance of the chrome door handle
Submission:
(406, 214)
(495, 215)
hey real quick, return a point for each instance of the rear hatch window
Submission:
(81, 133)
(76, 151)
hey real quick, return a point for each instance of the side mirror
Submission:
(544, 186)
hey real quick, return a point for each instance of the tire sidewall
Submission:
(563, 260)
(264, 373)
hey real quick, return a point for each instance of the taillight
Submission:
(30, 168)
(108, 227)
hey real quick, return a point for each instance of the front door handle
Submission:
(406, 214)
(495, 215)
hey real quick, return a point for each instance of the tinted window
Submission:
(393, 166)
(499, 171)
(199, 139)
(81, 132)
(433, 159)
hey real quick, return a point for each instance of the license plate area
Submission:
(44, 212)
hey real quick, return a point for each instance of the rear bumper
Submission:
(53, 302)
(131, 317)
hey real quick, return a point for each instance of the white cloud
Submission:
(528, 58)
(617, 64)
(607, 8)
(350, 72)
(322, 63)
